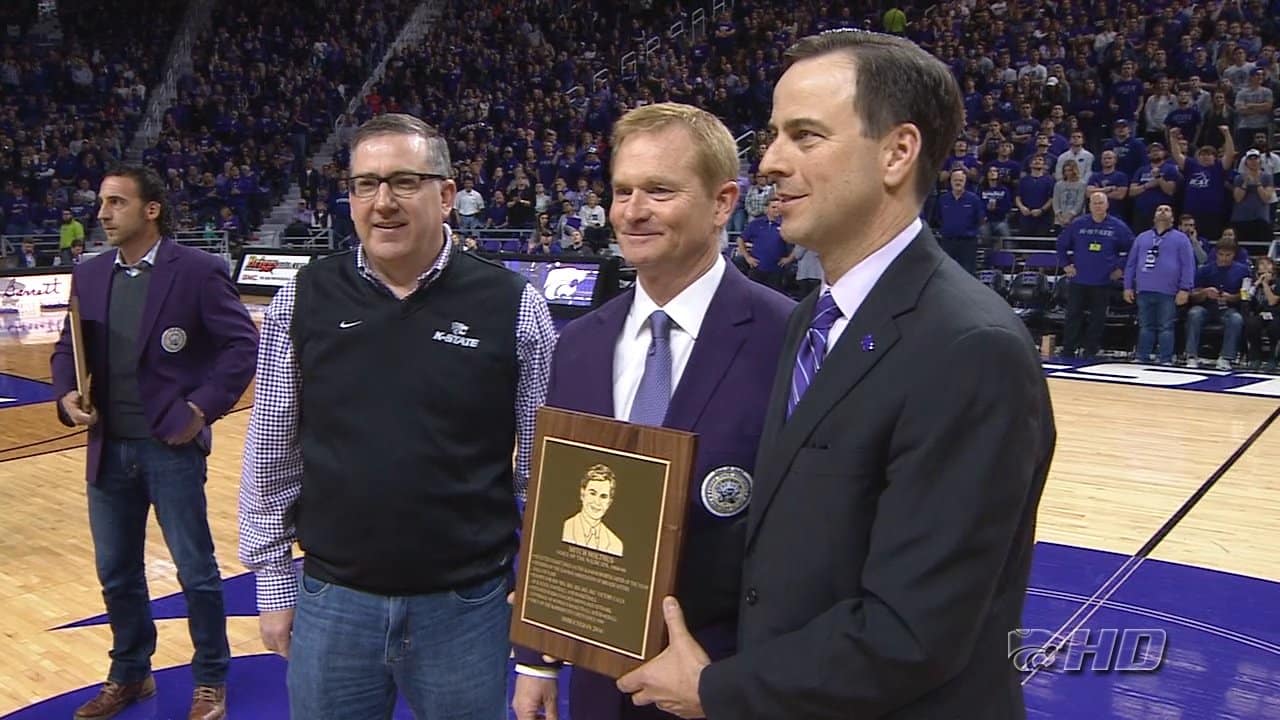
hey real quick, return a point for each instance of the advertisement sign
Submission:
(269, 269)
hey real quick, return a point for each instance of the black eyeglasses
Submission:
(402, 184)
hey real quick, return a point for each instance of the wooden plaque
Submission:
(603, 528)
(78, 352)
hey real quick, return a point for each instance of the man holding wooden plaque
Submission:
(681, 344)
(159, 334)
(907, 438)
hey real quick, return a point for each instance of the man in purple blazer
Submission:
(693, 346)
(169, 349)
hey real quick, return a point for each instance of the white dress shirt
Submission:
(686, 311)
(468, 202)
(136, 268)
(853, 288)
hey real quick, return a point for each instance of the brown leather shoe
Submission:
(114, 697)
(209, 703)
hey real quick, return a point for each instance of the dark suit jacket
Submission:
(889, 541)
(721, 396)
(191, 290)
(41, 260)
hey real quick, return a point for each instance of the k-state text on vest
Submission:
(452, 339)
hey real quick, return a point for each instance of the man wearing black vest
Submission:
(394, 382)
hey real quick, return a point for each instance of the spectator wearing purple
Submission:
(1158, 275)
(1010, 170)
(1130, 151)
(1217, 297)
(1089, 252)
(997, 202)
(1154, 184)
(961, 214)
(961, 159)
(495, 216)
(1205, 194)
(1113, 182)
(1023, 129)
(1185, 117)
(767, 248)
(1035, 199)
(1126, 94)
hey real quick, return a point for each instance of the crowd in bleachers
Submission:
(1132, 93)
(271, 79)
(1151, 102)
(70, 102)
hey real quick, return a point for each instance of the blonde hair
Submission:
(715, 151)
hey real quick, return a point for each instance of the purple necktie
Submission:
(813, 348)
(654, 393)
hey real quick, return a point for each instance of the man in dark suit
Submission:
(170, 349)
(693, 346)
(30, 256)
(908, 435)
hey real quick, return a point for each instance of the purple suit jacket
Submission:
(722, 396)
(190, 290)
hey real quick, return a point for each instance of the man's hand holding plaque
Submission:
(670, 680)
(602, 531)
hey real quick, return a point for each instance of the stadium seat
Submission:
(1001, 260)
(995, 280)
(1029, 295)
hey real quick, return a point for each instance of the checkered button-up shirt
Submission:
(757, 200)
(271, 477)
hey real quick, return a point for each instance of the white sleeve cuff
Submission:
(546, 673)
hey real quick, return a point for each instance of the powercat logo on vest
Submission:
(457, 335)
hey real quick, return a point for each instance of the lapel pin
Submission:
(868, 343)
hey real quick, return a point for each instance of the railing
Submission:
(313, 239)
(698, 25)
(177, 64)
(745, 141)
(414, 29)
(652, 45)
(213, 241)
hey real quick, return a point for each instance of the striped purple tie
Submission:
(654, 393)
(813, 348)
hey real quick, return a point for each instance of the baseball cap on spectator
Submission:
(1253, 152)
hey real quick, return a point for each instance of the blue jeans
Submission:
(445, 652)
(1157, 314)
(135, 475)
(1232, 325)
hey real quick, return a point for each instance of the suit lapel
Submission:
(848, 363)
(162, 276)
(100, 295)
(724, 331)
(595, 381)
(775, 413)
